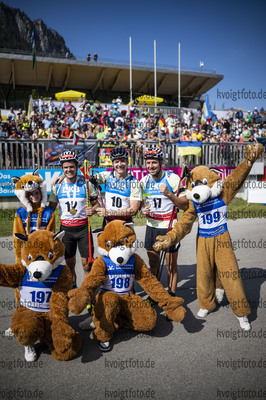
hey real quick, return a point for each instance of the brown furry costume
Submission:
(216, 250)
(42, 253)
(23, 186)
(113, 310)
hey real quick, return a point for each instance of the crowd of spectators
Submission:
(134, 123)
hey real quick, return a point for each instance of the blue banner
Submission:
(7, 187)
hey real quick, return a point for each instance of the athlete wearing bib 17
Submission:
(158, 189)
(71, 194)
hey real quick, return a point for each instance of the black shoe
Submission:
(171, 293)
(104, 346)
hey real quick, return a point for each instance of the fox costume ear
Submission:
(59, 235)
(15, 179)
(130, 224)
(21, 237)
(217, 170)
(36, 172)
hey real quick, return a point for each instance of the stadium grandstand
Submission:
(101, 80)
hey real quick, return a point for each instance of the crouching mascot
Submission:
(114, 272)
(43, 284)
(208, 198)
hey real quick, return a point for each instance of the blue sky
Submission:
(227, 36)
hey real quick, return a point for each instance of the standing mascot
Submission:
(114, 272)
(43, 283)
(208, 198)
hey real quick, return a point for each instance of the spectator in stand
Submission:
(174, 137)
(231, 114)
(118, 101)
(100, 135)
(14, 133)
(105, 111)
(35, 134)
(162, 135)
(33, 123)
(249, 117)
(89, 57)
(69, 107)
(239, 115)
(246, 134)
(43, 133)
(69, 118)
(25, 123)
(46, 122)
(115, 112)
(26, 134)
(62, 105)
(95, 57)
(3, 131)
(227, 125)
(196, 136)
(186, 137)
(76, 124)
(51, 105)
(186, 118)
(90, 133)
(255, 115)
(11, 115)
(66, 133)
(80, 133)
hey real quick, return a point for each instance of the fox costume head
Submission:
(117, 241)
(203, 183)
(28, 183)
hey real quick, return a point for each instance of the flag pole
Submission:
(179, 77)
(155, 76)
(130, 70)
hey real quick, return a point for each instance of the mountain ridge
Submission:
(16, 31)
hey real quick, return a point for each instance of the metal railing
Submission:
(23, 154)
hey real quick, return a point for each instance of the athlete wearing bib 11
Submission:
(122, 191)
(71, 194)
(158, 190)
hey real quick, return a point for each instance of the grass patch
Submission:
(237, 209)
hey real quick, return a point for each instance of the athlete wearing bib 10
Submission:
(122, 191)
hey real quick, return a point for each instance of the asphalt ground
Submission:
(209, 358)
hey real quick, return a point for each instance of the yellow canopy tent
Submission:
(149, 100)
(70, 95)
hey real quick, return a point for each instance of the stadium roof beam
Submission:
(144, 83)
(186, 86)
(13, 74)
(162, 82)
(116, 80)
(99, 80)
(49, 77)
(66, 78)
(198, 90)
